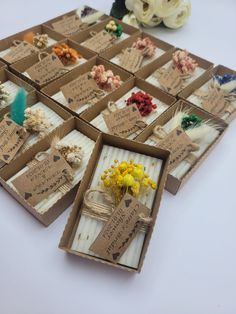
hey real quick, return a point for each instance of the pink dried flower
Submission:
(183, 62)
(105, 79)
(145, 44)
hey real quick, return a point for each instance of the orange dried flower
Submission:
(29, 37)
(66, 54)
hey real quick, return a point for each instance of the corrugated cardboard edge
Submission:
(173, 184)
(17, 164)
(219, 69)
(116, 49)
(70, 228)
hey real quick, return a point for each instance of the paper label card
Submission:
(179, 144)
(79, 91)
(44, 178)
(215, 101)
(19, 52)
(68, 25)
(170, 79)
(120, 229)
(123, 122)
(99, 42)
(12, 138)
(46, 70)
(131, 59)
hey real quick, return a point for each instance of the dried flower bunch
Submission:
(114, 28)
(40, 41)
(143, 102)
(66, 54)
(105, 78)
(146, 45)
(36, 121)
(183, 62)
(72, 153)
(126, 177)
(4, 96)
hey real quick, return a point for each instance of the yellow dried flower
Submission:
(126, 177)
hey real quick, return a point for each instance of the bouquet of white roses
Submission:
(173, 13)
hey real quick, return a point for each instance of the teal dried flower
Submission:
(191, 121)
(17, 110)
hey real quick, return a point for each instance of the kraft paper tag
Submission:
(79, 91)
(44, 178)
(131, 59)
(68, 25)
(179, 144)
(12, 138)
(99, 42)
(170, 79)
(19, 52)
(123, 122)
(46, 70)
(215, 101)
(120, 229)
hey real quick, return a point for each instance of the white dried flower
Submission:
(180, 16)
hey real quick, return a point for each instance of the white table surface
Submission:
(191, 262)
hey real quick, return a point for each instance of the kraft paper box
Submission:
(174, 183)
(115, 146)
(83, 36)
(7, 43)
(20, 68)
(115, 52)
(148, 72)
(73, 131)
(11, 84)
(87, 15)
(53, 90)
(202, 85)
(95, 114)
(54, 113)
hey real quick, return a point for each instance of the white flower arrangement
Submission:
(150, 13)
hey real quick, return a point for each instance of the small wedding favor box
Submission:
(55, 117)
(100, 229)
(75, 21)
(189, 146)
(132, 59)
(44, 67)
(14, 48)
(112, 115)
(77, 92)
(215, 92)
(45, 178)
(161, 73)
(10, 84)
(98, 40)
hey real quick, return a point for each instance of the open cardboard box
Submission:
(6, 75)
(7, 43)
(129, 30)
(20, 162)
(150, 69)
(116, 50)
(73, 13)
(33, 98)
(21, 66)
(91, 113)
(74, 218)
(173, 184)
(53, 88)
(189, 90)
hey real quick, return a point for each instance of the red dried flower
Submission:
(143, 102)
